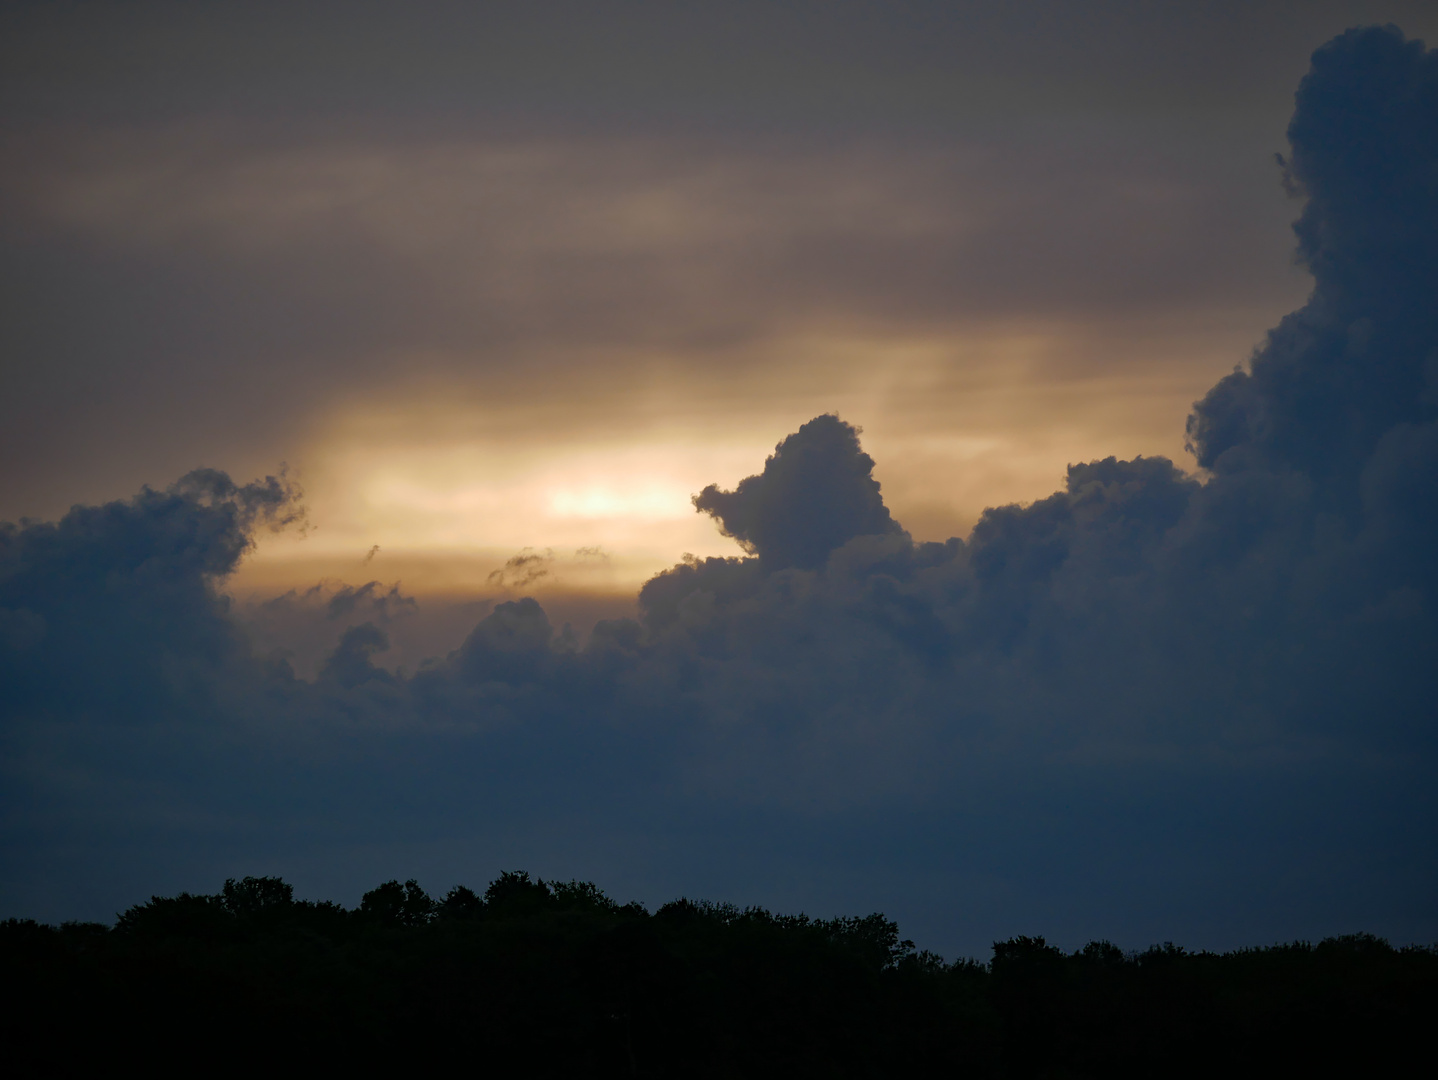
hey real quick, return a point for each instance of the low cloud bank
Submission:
(1152, 703)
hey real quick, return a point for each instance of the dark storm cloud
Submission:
(1144, 698)
(116, 604)
(1354, 364)
(815, 494)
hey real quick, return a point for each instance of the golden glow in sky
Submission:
(450, 487)
(476, 345)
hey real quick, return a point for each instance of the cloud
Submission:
(816, 492)
(1344, 370)
(116, 605)
(628, 273)
(350, 663)
(304, 626)
(1207, 697)
(524, 569)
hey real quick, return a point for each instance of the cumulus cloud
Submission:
(113, 604)
(1339, 374)
(816, 492)
(302, 626)
(1204, 695)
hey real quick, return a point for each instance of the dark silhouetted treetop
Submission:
(393, 904)
(557, 979)
(256, 894)
(514, 893)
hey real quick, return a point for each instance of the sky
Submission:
(949, 480)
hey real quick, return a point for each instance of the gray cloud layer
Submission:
(1146, 705)
(217, 222)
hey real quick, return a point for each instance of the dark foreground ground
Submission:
(549, 979)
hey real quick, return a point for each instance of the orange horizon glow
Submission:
(450, 486)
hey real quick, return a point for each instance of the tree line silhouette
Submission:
(555, 978)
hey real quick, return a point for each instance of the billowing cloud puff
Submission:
(816, 492)
(115, 606)
(1206, 696)
(1358, 359)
